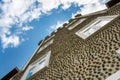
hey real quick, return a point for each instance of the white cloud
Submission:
(26, 28)
(73, 15)
(11, 41)
(16, 12)
(48, 5)
(19, 12)
(6, 1)
(89, 8)
(67, 3)
(56, 26)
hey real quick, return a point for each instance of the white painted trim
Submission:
(118, 52)
(31, 57)
(76, 23)
(80, 32)
(114, 76)
(35, 53)
(93, 13)
(36, 63)
(46, 45)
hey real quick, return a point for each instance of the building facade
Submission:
(9, 75)
(86, 48)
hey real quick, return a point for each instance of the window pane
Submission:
(101, 23)
(37, 66)
(95, 27)
(28, 75)
(41, 64)
(89, 31)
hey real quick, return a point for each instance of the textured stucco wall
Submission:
(73, 58)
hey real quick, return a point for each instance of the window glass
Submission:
(95, 27)
(30, 73)
(37, 66)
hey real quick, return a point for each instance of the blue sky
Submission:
(23, 23)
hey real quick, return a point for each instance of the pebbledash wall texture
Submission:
(75, 58)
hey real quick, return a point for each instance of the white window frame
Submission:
(118, 52)
(36, 64)
(115, 76)
(75, 24)
(70, 23)
(46, 45)
(81, 33)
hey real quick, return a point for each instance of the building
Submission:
(86, 48)
(10, 74)
(112, 3)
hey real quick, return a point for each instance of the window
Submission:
(93, 26)
(36, 66)
(46, 45)
(118, 52)
(115, 76)
(30, 73)
(75, 24)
